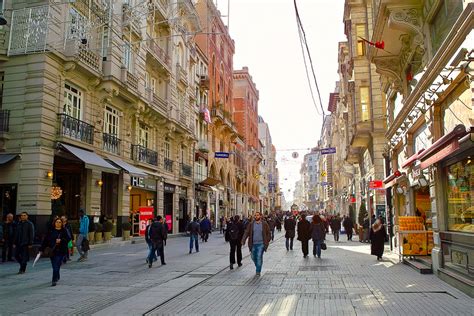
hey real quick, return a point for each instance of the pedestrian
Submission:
(290, 226)
(235, 232)
(304, 234)
(318, 235)
(271, 224)
(157, 237)
(336, 227)
(68, 228)
(348, 227)
(377, 238)
(56, 243)
(221, 222)
(82, 242)
(23, 242)
(149, 243)
(205, 228)
(366, 228)
(258, 234)
(194, 229)
(8, 236)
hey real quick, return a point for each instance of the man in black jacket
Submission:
(23, 242)
(157, 235)
(290, 227)
(8, 238)
(235, 232)
(304, 234)
(194, 230)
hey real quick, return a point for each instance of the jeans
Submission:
(22, 256)
(257, 256)
(151, 252)
(56, 262)
(235, 246)
(289, 243)
(7, 248)
(156, 248)
(194, 238)
(79, 240)
(336, 234)
(304, 247)
(317, 248)
(273, 233)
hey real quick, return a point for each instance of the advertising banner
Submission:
(146, 213)
(169, 222)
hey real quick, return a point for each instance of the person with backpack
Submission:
(235, 232)
(194, 230)
(81, 242)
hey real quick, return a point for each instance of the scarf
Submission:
(376, 227)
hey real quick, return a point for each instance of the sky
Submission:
(267, 42)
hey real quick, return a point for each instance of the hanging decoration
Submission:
(379, 45)
(56, 192)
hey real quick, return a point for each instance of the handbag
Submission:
(48, 252)
(323, 246)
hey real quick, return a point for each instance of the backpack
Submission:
(234, 232)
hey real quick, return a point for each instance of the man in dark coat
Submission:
(377, 238)
(205, 228)
(157, 236)
(25, 232)
(290, 227)
(8, 238)
(271, 224)
(348, 227)
(235, 232)
(194, 230)
(336, 227)
(304, 234)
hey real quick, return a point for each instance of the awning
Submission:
(443, 147)
(6, 158)
(412, 159)
(127, 167)
(91, 159)
(210, 181)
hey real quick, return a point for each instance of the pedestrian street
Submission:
(116, 281)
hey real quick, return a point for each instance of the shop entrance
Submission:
(7, 199)
(67, 179)
(168, 210)
(109, 196)
(183, 215)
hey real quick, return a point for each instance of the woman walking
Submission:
(318, 234)
(377, 238)
(56, 242)
(304, 234)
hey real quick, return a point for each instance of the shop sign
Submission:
(146, 213)
(137, 182)
(221, 154)
(169, 222)
(376, 185)
(169, 188)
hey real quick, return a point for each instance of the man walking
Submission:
(205, 228)
(157, 235)
(304, 234)
(23, 242)
(258, 233)
(194, 229)
(8, 238)
(82, 244)
(348, 227)
(235, 232)
(336, 227)
(290, 225)
(149, 243)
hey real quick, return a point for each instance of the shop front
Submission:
(168, 204)
(142, 196)
(183, 216)
(8, 186)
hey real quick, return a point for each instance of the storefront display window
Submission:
(423, 205)
(460, 190)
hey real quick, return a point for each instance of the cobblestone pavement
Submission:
(116, 281)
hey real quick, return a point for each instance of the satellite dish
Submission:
(295, 155)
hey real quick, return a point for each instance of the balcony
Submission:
(216, 112)
(181, 75)
(131, 20)
(158, 103)
(185, 170)
(143, 154)
(168, 164)
(111, 143)
(4, 121)
(361, 134)
(203, 146)
(75, 129)
(161, 6)
(158, 53)
(130, 80)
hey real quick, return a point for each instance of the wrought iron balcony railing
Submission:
(186, 170)
(143, 154)
(111, 143)
(76, 129)
(168, 164)
(4, 120)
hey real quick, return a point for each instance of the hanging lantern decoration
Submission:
(56, 192)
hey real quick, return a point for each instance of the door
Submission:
(183, 215)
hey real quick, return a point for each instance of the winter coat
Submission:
(84, 226)
(304, 230)
(205, 225)
(249, 234)
(377, 240)
(290, 226)
(237, 226)
(50, 241)
(318, 232)
(25, 232)
(157, 233)
(336, 224)
(8, 232)
(348, 224)
(194, 228)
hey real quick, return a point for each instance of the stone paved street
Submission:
(116, 281)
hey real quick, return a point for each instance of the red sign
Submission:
(146, 213)
(169, 222)
(353, 199)
(376, 184)
(442, 153)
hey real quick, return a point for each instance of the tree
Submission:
(362, 213)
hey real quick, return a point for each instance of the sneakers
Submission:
(231, 267)
(257, 274)
(239, 264)
(81, 258)
(149, 265)
(21, 272)
(53, 283)
(190, 251)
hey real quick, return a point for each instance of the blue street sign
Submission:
(325, 183)
(221, 154)
(329, 150)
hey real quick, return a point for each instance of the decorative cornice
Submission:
(407, 20)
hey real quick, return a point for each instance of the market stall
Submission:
(414, 239)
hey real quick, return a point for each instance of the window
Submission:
(147, 80)
(360, 32)
(184, 154)
(167, 149)
(105, 42)
(153, 85)
(111, 121)
(460, 193)
(443, 21)
(72, 101)
(364, 104)
(143, 135)
(128, 56)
